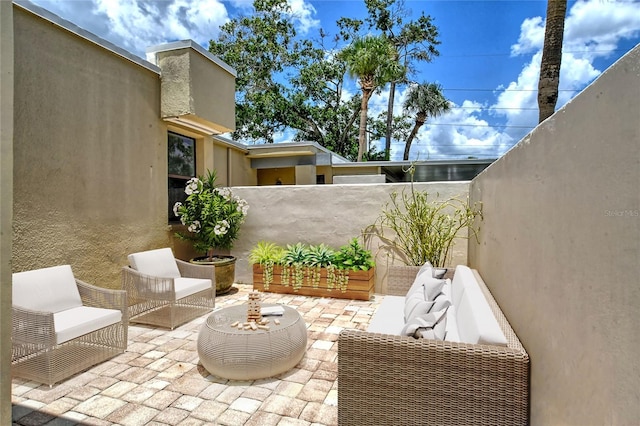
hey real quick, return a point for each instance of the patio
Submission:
(159, 381)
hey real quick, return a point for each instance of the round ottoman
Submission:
(231, 353)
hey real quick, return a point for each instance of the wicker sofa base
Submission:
(396, 380)
(59, 362)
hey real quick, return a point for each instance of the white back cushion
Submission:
(158, 263)
(476, 322)
(463, 273)
(51, 289)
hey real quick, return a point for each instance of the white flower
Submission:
(177, 206)
(192, 186)
(194, 227)
(221, 227)
(224, 192)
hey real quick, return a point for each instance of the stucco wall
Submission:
(90, 154)
(329, 214)
(6, 207)
(560, 251)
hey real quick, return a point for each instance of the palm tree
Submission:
(551, 58)
(372, 61)
(424, 100)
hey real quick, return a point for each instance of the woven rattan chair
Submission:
(62, 325)
(397, 380)
(166, 292)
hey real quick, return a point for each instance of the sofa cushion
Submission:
(433, 287)
(158, 263)
(388, 318)
(476, 322)
(51, 289)
(427, 326)
(188, 286)
(415, 306)
(451, 329)
(441, 302)
(75, 322)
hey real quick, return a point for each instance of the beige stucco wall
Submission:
(6, 206)
(90, 154)
(195, 87)
(560, 250)
(329, 214)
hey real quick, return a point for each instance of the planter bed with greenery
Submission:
(314, 270)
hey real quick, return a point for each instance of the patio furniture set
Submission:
(62, 326)
(463, 366)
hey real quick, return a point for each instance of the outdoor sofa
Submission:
(480, 378)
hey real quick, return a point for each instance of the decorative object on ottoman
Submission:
(253, 307)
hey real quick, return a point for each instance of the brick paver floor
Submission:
(159, 380)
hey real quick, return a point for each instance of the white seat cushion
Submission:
(188, 286)
(157, 263)
(75, 322)
(51, 289)
(389, 317)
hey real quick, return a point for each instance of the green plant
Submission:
(318, 256)
(419, 230)
(267, 255)
(350, 257)
(213, 215)
(354, 257)
(294, 261)
(300, 261)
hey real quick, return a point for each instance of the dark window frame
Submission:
(177, 181)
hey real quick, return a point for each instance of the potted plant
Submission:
(314, 270)
(213, 216)
(417, 229)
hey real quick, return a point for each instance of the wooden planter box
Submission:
(359, 287)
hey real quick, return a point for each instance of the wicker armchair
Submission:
(62, 326)
(166, 292)
(397, 380)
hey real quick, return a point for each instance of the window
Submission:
(182, 167)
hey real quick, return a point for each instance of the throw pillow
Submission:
(441, 302)
(423, 307)
(428, 326)
(432, 287)
(411, 302)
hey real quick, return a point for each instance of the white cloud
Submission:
(143, 23)
(531, 36)
(304, 13)
(137, 24)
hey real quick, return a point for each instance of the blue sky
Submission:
(488, 65)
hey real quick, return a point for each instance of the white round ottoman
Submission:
(231, 353)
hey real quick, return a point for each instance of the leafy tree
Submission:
(262, 48)
(371, 60)
(551, 58)
(424, 101)
(413, 41)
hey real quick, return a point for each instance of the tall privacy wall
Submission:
(329, 214)
(560, 251)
